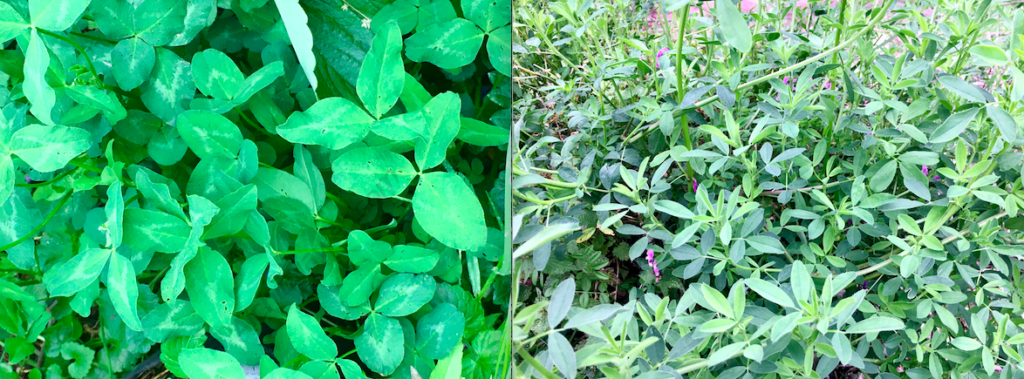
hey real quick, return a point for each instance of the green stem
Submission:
(536, 364)
(348, 353)
(76, 46)
(490, 280)
(81, 164)
(48, 182)
(328, 249)
(332, 223)
(26, 237)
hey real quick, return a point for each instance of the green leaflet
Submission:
(240, 340)
(133, 61)
(404, 127)
(449, 367)
(201, 212)
(338, 35)
(101, 100)
(439, 331)
(308, 338)
(387, 176)
(364, 250)
(11, 23)
(309, 173)
(734, 26)
(170, 86)
(203, 363)
(330, 300)
(382, 74)
(273, 184)
(412, 259)
(249, 279)
(360, 284)
(37, 91)
(153, 230)
(295, 22)
(167, 320)
(403, 294)
(56, 15)
(216, 75)
(124, 291)
(333, 123)
(159, 192)
(16, 209)
(284, 373)
(402, 12)
(350, 370)
(6, 177)
(447, 45)
(76, 273)
(208, 281)
(953, 126)
(208, 133)
(457, 224)
(480, 133)
(499, 50)
(114, 211)
(487, 14)
(441, 116)
(234, 209)
(115, 18)
(381, 346)
(433, 12)
(48, 148)
(158, 21)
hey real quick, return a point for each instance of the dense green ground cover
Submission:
(310, 189)
(768, 189)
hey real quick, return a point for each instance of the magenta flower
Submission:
(746, 6)
(660, 53)
(924, 170)
(936, 177)
(694, 185)
(828, 84)
(654, 265)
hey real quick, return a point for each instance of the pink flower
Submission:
(801, 4)
(654, 265)
(936, 177)
(660, 53)
(924, 170)
(747, 6)
(927, 12)
(694, 185)
(828, 84)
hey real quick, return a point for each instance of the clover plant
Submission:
(768, 189)
(301, 189)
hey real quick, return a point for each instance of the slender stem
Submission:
(81, 164)
(536, 364)
(28, 236)
(48, 182)
(490, 279)
(331, 222)
(348, 353)
(396, 197)
(944, 241)
(328, 249)
(76, 46)
(543, 202)
(92, 37)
